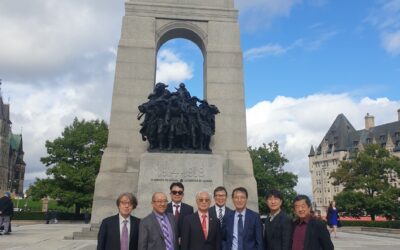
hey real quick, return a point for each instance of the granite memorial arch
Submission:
(126, 164)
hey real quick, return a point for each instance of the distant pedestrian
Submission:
(47, 217)
(87, 217)
(332, 217)
(6, 212)
(308, 232)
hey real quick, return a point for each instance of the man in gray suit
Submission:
(158, 230)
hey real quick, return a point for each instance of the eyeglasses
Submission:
(203, 200)
(124, 203)
(177, 192)
(161, 202)
(220, 195)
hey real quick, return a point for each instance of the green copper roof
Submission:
(15, 141)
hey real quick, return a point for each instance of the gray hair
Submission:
(203, 191)
(130, 196)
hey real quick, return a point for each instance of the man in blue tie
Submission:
(243, 227)
(158, 230)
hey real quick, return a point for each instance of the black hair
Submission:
(302, 197)
(178, 184)
(240, 189)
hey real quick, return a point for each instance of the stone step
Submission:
(87, 233)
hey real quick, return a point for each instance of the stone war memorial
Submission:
(158, 137)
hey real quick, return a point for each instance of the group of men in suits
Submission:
(174, 225)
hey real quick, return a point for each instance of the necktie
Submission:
(240, 232)
(220, 216)
(124, 236)
(204, 225)
(165, 232)
(177, 212)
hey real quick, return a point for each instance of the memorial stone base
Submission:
(197, 172)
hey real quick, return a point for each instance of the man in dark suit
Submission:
(278, 225)
(220, 210)
(176, 206)
(200, 230)
(121, 231)
(243, 227)
(158, 230)
(308, 232)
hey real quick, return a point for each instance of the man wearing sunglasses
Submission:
(176, 206)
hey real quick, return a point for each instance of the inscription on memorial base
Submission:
(158, 170)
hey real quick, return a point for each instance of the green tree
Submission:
(366, 181)
(73, 162)
(268, 164)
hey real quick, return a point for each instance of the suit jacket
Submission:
(185, 210)
(213, 212)
(278, 232)
(151, 236)
(317, 236)
(6, 206)
(109, 234)
(252, 233)
(193, 236)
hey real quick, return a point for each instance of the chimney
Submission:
(398, 114)
(369, 121)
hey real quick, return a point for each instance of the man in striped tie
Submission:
(220, 210)
(158, 230)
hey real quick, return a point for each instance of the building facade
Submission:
(12, 165)
(340, 143)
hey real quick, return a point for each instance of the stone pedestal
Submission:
(158, 170)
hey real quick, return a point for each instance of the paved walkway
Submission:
(45, 236)
(51, 237)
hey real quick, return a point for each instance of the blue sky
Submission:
(330, 47)
(305, 62)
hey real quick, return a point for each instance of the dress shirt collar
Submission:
(121, 219)
(272, 216)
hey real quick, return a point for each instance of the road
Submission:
(51, 237)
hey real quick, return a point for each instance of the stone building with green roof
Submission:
(340, 142)
(12, 165)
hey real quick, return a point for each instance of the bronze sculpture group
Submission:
(177, 121)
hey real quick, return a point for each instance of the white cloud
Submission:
(171, 69)
(386, 19)
(261, 13)
(269, 49)
(42, 113)
(42, 37)
(391, 42)
(276, 49)
(299, 123)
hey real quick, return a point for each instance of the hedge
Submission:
(383, 224)
(42, 216)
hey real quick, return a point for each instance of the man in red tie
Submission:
(200, 231)
(176, 206)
